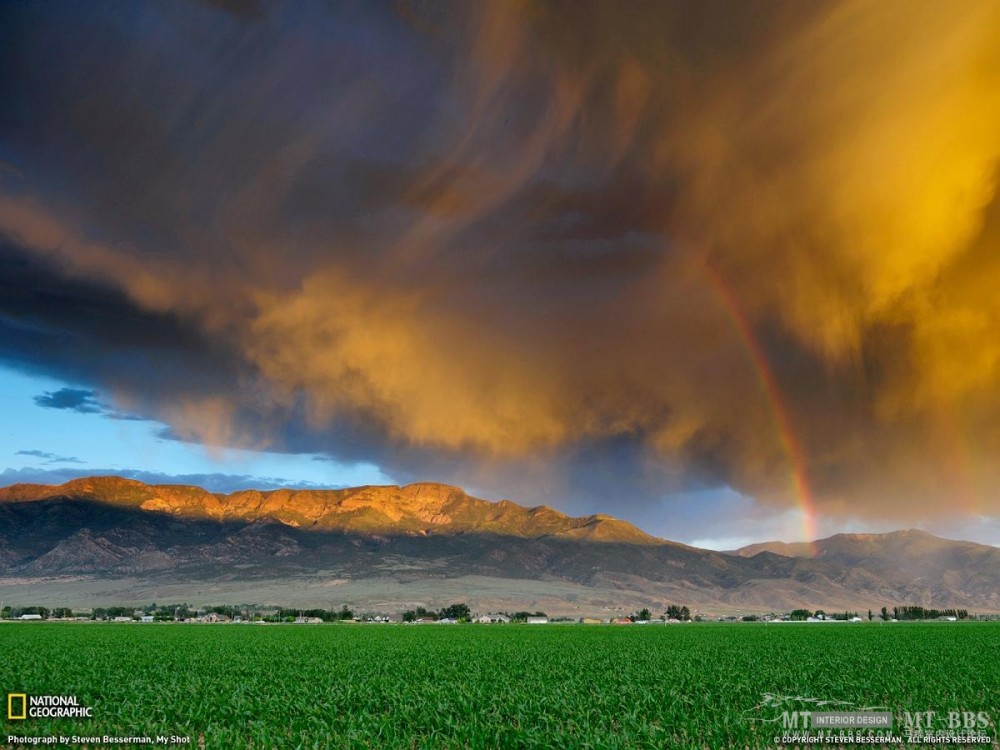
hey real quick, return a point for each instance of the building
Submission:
(537, 620)
(497, 618)
(30, 617)
(591, 621)
(621, 621)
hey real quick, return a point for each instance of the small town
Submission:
(455, 614)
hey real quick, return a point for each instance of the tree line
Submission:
(898, 613)
(805, 614)
(460, 612)
(921, 613)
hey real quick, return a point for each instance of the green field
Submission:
(345, 685)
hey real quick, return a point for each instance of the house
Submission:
(122, 618)
(309, 620)
(214, 617)
(537, 620)
(621, 621)
(497, 618)
(30, 617)
(147, 618)
(426, 619)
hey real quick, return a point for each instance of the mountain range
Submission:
(108, 540)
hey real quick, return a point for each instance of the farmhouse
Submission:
(497, 618)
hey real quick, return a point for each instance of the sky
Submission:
(727, 270)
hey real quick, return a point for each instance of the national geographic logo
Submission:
(21, 706)
(14, 700)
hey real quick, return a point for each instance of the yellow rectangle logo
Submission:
(11, 698)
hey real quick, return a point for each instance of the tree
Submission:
(800, 614)
(458, 611)
(644, 614)
(885, 614)
(870, 616)
(676, 612)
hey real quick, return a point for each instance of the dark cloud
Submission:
(245, 9)
(568, 252)
(50, 458)
(74, 399)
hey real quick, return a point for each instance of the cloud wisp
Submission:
(50, 458)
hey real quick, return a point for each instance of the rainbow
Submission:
(790, 445)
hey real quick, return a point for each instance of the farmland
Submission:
(708, 685)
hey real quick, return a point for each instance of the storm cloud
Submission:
(573, 250)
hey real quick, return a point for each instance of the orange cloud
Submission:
(519, 261)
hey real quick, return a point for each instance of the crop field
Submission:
(432, 686)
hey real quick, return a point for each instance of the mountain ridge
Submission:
(420, 507)
(108, 539)
(836, 543)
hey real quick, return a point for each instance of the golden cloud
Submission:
(731, 237)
